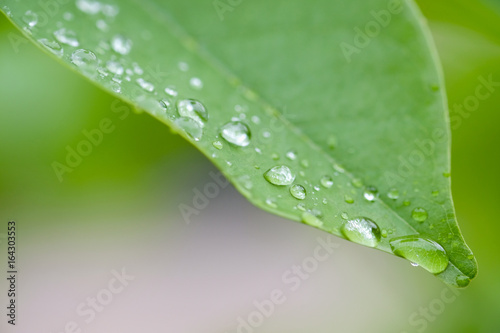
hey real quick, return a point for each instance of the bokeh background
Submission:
(120, 209)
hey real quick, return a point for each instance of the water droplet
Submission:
(114, 67)
(462, 281)
(84, 59)
(52, 46)
(183, 66)
(121, 44)
(246, 181)
(116, 86)
(414, 264)
(164, 104)
(255, 119)
(446, 174)
(393, 194)
(406, 203)
(419, 214)
(332, 142)
(291, 155)
(68, 16)
(89, 6)
(311, 218)
(325, 201)
(271, 203)
(237, 133)
(356, 182)
(191, 127)
(338, 168)
(265, 134)
(279, 175)
(66, 36)
(361, 230)
(370, 193)
(196, 83)
(344, 216)
(30, 18)
(148, 86)
(435, 193)
(217, 145)
(348, 199)
(422, 251)
(384, 233)
(137, 69)
(193, 109)
(171, 91)
(110, 10)
(304, 163)
(258, 151)
(326, 181)
(298, 192)
(101, 25)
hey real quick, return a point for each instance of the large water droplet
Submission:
(191, 127)
(298, 192)
(419, 214)
(425, 252)
(121, 44)
(66, 36)
(30, 18)
(85, 60)
(279, 175)
(361, 230)
(326, 181)
(237, 133)
(462, 281)
(193, 109)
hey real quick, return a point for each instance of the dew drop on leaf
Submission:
(361, 230)
(326, 181)
(67, 37)
(120, 44)
(191, 127)
(393, 194)
(193, 109)
(419, 214)
(84, 59)
(237, 133)
(298, 192)
(30, 18)
(279, 175)
(422, 251)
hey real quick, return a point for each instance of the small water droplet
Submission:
(271, 203)
(255, 119)
(356, 182)
(196, 83)
(265, 134)
(52, 46)
(121, 44)
(114, 67)
(338, 168)
(171, 91)
(291, 155)
(275, 156)
(311, 218)
(446, 174)
(279, 175)
(325, 201)
(217, 144)
(101, 25)
(344, 215)
(383, 233)
(332, 142)
(183, 66)
(191, 127)
(406, 203)
(370, 193)
(164, 104)
(66, 36)
(462, 281)
(348, 199)
(110, 10)
(435, 193)
(137, 69)
(414, 264)
(393, 194)
(89, 6)
(68, 16)
(361, 230)
(419, 214)
(298, 192)
(147, 86)
(304, 163)
(84, 59)
(425, 252)
(326, 181)
(237, 133)
(30, 18)
(193, 109)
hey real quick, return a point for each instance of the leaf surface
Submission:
(347, 96)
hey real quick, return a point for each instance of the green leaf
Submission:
(332, 113)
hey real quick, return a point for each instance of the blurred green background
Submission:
(120, 208)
